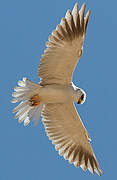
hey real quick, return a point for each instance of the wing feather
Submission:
(65, 129)
(64, 48)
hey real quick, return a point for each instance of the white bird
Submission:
(54, 96)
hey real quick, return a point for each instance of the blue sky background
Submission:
(25, 152)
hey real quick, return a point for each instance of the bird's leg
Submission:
(35, 100)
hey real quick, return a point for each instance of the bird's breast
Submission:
(56, 94)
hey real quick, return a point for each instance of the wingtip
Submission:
(68, 12)
(89, 12)
(101, 171)
(76, 5)
(75, 9)
(84, 5)
(87, 19)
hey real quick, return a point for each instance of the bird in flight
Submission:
(54, 96)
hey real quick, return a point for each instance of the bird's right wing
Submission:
(64, 48)
(66, 130)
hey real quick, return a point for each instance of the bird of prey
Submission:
(54, 96)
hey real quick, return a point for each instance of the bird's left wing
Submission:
(64, 48)
(66, 130)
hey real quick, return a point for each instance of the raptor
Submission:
(54, 96)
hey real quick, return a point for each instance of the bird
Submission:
(53, 97)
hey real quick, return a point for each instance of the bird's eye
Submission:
(82, 97)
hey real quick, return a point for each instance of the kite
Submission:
(54, 96)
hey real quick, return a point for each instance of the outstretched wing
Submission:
(64, 48)
(66, 130)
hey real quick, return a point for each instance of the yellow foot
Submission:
(35, 100)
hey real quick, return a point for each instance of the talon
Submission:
(35, 100)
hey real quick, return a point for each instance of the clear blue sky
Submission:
(25, 152)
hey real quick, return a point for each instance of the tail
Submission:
(30, 107)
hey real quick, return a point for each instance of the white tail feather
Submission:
(25, 111)
(20, 106)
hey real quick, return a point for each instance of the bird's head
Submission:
(81, 96)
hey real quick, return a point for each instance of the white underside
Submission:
(49, 94)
